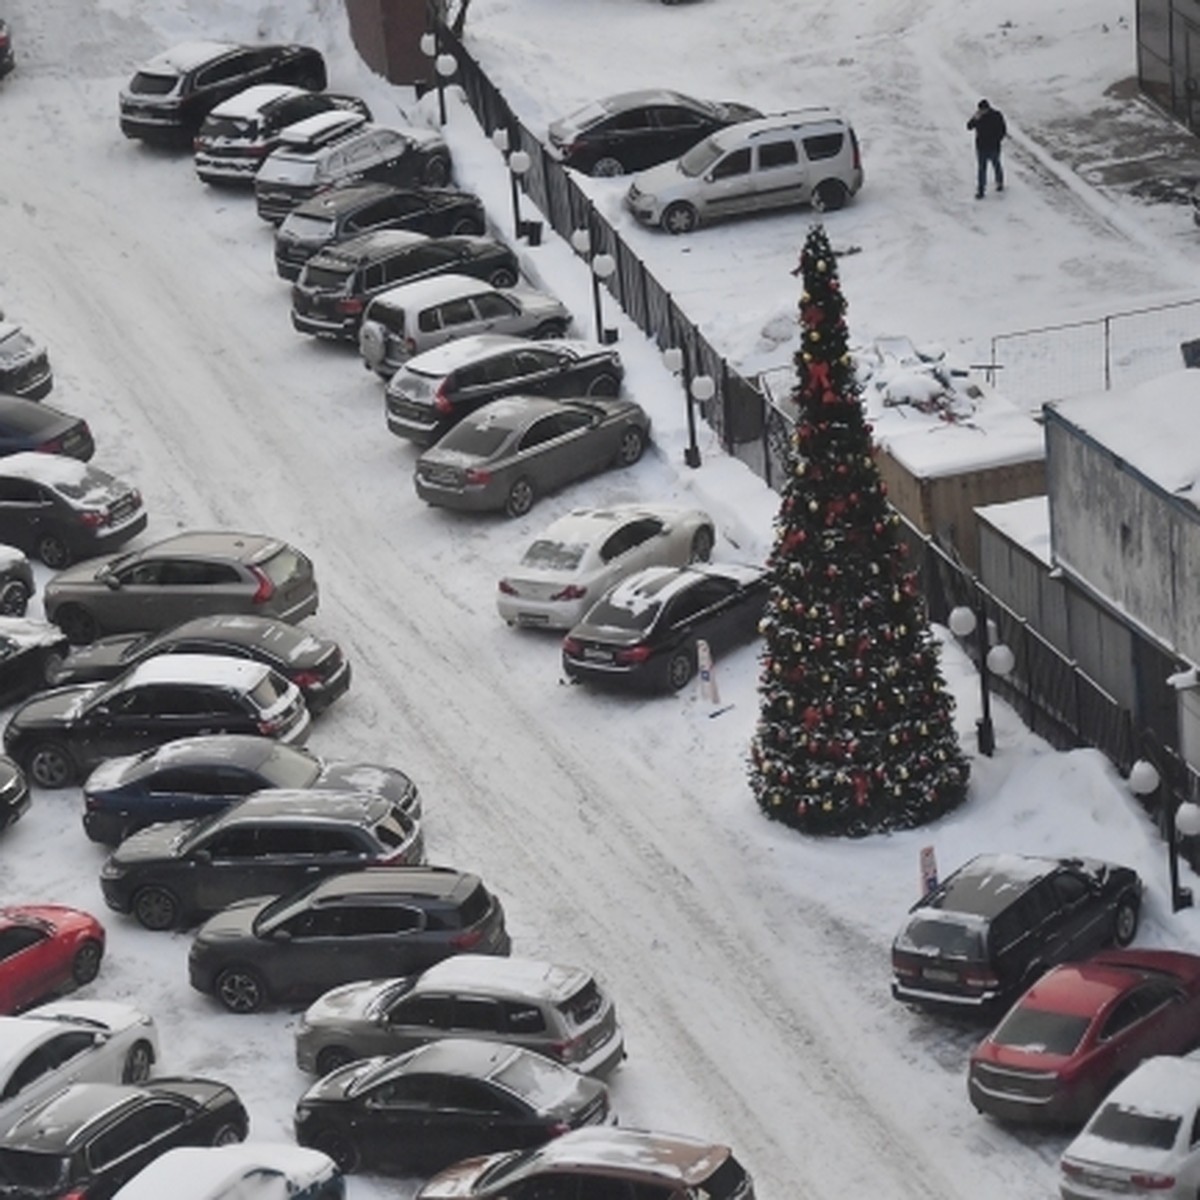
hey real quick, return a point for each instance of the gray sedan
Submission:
(506, 453)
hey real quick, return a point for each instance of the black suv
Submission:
(169, 96)
(274, 841)
(346, 212)
(24, 364)
(980, 938)
(329, 298)
(91, 1138)
(362, 925)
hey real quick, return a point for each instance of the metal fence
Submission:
(1118, 350)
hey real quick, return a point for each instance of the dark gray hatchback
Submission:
(378, 921)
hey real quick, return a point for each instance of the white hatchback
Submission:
(580, 556)
(1143, 1140)
(71, 1041)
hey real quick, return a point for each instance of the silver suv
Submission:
(809, 156)
(551, 1009)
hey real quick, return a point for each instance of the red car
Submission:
(1082, 1027)
(44, 949)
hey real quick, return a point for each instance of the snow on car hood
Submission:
(26, 631)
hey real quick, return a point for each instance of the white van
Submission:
(807, 156)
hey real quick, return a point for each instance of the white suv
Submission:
(808, 156)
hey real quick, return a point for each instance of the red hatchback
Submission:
(44, 949)
(1082, 1027)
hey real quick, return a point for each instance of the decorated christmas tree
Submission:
(855, 730)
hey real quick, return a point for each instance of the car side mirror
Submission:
(203, 855)
(282, 935)
(112, 582)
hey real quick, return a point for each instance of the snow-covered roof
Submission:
(184, 57)
(1024, 522)
(1143, 425)
(51, 469)
(671, 1156)
(204, 1172)
(199, 668)
(29, 631)
(524, 976)
(423, 292)
(251, 101)
(449, 356)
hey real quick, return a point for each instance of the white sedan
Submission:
(71, 1041)
(1143, 1140)
(243, 1171)
(580, 556)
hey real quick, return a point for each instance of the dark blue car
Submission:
(197, 776)
(27, 425)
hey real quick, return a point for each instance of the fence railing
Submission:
(1053, 695)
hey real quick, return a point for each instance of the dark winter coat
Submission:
(990, 130)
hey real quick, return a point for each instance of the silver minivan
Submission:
(413, 317)
(807, 156)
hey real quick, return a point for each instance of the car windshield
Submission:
(287, 767)
(539, 1080)
(555, 556)
(304, 226)
(700, 157)
(227, 127)
(946, 939)
(1039, 1031)
(476, 439)
(285, 564)
(39, 1173)
(269, 691)
(282, 168)
(504, 1168)
(621, 616)
(328, 278)
(283, 908)
(133, 650)
(92, 487)
(14, 343)
(145, 83)
(1115, 1123)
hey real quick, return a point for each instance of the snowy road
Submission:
(619, 832)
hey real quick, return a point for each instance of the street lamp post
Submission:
(444, 66)
(1177, 819)
(518, 163)
(993, 660)
(701, 391)
(602, 266)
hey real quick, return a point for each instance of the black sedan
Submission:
(91, 1138)
(30, 651)
(644, 632)
(197, 776)
(345, 212)
(24, 364)
(635, 130)
(14, 792)
(449, 1099)
(314, 664)
(59, 735)
(432, 391)
(62, 509)
(27, 425)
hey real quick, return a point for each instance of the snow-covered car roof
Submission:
(251, 101)
(298, 137)
(199, 668)
(18, 1034)
(178, 60)
(208, 1172)
(28, 631)
(519, 976)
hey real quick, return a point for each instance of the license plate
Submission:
(594, 652)
(532, 618)
(937, 975)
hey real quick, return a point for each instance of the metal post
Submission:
(1181, 897)
(516, 202)
(985, 731)
(596, 306)
(691, 455)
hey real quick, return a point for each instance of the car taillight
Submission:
(467, 939)
(558, 1129)
(197, 144)
(1152, 1183)
(265, 589)
(350, 306)
(572, 646)
(979, 978)
(305, 679)
(53, 446)
(568, 1050)
(74, 1194)
(269, 727)
(476, 477)
(570, 592)
(93, 518)
(905, 970)
(410, 346)
(857, 153)
(632, 654)
(507, 588)
(442, 403)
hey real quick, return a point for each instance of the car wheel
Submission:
(156, 907)
(681, 666)
(85, 966)
(340, 1148)
(228, 1134)
(14, 598)
(50, 765)
(607, 167)
(1125, 920)
(241, 990)
(468, 227)
(604, 385)
(53, 551)
(138, 1063)
(51, 664)
(520, 497)
(550, 329)
(680, 218)
(504, 277)
(333, 1057)
(702, 545)
(437, 172)
(77, 623)
(829, 195)
(633, 442)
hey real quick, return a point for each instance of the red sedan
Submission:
(44, 949)
(1081, 1028)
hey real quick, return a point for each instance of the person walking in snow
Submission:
(990, 130)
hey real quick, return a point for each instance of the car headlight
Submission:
(111, 870)
(303, 1115)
